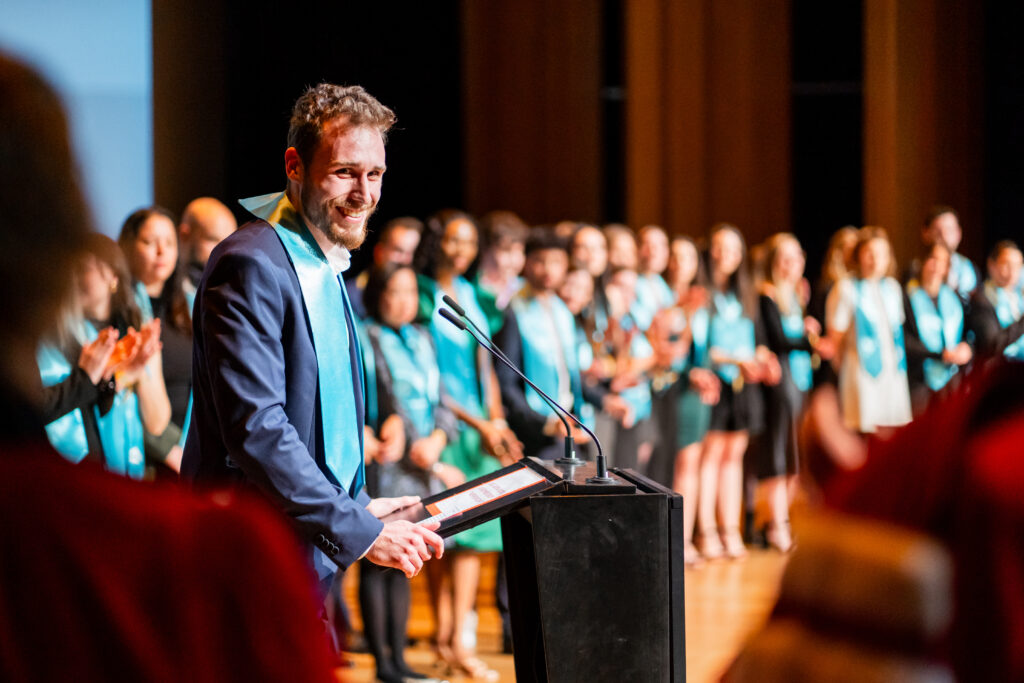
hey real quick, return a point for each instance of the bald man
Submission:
(204, 223)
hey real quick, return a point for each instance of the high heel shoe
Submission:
(692, 557)
(733, 541)
(709, 544)
(779, 537)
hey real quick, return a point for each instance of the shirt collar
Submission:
(338, 257)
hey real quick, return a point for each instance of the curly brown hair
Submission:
(326, 102)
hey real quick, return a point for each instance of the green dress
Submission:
(460, 374)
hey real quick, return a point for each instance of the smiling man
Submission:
(276, 362)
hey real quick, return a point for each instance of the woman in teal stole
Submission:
(680, 338)
(447, 249)
(792, 335)
(740, 362)
(403, 371)
(936, 330)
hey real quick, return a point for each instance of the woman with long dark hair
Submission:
(447, 249)
(149, 240)
(740, 359)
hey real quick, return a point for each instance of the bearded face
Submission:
(342, 184)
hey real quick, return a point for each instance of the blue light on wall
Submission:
(98, 55)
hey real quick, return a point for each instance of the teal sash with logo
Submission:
(799, 361)
(1001, 300)
(652, 295)
(548, 334)
(869, 348)
(940, 327)
(962, 276)
(415, 377)
(731, 332)
(456, 350)
(337, 351)
(638, 396)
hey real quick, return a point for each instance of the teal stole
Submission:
(584, 359)
(415, 377)
(869, 342)
(120, 430)
(799, 361)
(731, 332)
(652, 295)
(962, 276)
(1002, 300)
(940, 327)
(548, 333)
(456, 350)
(638, 396)
(338, 356)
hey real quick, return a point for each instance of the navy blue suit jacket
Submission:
(256, 408)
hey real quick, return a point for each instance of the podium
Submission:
(595, 581)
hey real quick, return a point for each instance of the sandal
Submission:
(779, 537)
(710, 545)
(474, 668)
(733, 541)
(692, 557)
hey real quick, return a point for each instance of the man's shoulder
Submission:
(255, 239)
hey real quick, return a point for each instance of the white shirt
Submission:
(338, 256)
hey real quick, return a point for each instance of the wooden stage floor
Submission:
(725, 602)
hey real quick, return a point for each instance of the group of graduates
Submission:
(690, 359)
(117, 367)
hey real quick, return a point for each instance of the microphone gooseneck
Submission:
(570, 455)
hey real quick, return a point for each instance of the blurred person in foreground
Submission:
(119, 573)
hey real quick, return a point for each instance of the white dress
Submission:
(868, 401)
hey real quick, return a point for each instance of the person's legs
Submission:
(730, 496)
(686, 482)
(708, 542)
(439, 580)
(777, 492)
(466, 579)
(373, 605)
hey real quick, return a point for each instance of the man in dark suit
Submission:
(278, 394)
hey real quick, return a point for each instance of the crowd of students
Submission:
(691, 359)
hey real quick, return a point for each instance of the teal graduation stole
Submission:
(962, 276)
(940, 327)
(1002, 300)
(584, 359)
(652, 295)
(638, 396)
(337, 351)
(415, 377)
(548, 333)
(869, 348)
(120, 430)
(456, 350)
(799, 361)
(731, 332)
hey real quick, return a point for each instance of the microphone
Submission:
(570, 455)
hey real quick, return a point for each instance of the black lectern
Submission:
(595, 579)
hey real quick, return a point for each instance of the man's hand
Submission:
(406, 546)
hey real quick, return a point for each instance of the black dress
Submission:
(784, 401)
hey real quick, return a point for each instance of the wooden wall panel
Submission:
(922, 117)
(708, 114)
(531, 106)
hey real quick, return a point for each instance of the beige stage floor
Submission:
(725, 601)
